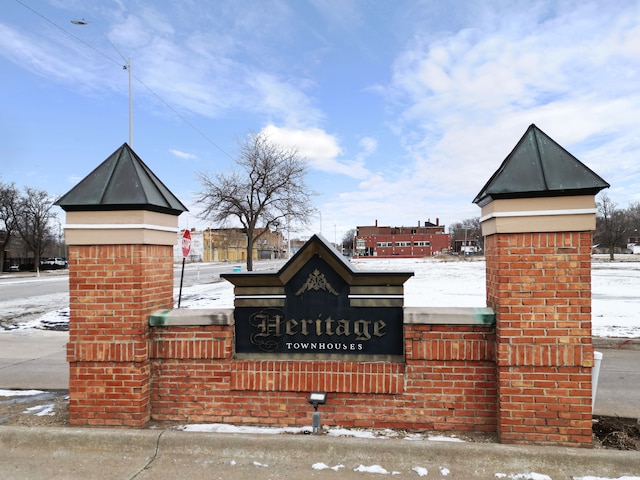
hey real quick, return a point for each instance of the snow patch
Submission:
(374, 469)
(19, 393)
(523, 476)
(324, 466)
(442, 438)
(421, 471)
(228, 428)
(47, 409)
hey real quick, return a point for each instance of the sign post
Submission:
(186, 248)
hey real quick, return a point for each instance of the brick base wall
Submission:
(446, 383)
(112, 291)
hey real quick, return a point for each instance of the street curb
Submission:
(616, 343)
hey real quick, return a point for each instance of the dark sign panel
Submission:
(319, 304)
(372, 331)
(317, 318)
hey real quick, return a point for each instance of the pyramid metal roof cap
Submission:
(122, 182)
(539, 167)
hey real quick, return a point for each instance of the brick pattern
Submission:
(112, 291)
(451, 388)
(199, 343)
(539, 285)
(325, 376)
(446, 342)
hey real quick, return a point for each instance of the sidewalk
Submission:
(100, 454)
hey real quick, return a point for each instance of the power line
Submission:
(181, 117)
(86, 44)
(68, 33)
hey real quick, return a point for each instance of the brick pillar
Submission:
(120, 270)
(538, 254)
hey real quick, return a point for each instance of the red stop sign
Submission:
(186, 243)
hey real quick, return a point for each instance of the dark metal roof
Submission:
(539, 167)
(121, 182)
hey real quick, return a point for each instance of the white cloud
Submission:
(182, 155)
(464, 99)
(284, 100)
(43, 56)
(368, 145)
(320, 148)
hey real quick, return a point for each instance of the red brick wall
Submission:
(112, 291)
(539, 285)
(447, 382)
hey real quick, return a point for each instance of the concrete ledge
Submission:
(187, 317)
(412, 315)
(450, 316)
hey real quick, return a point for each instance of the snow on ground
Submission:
(19, 393)
(436, 283)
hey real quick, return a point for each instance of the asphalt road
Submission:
(27, 284)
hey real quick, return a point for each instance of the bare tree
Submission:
(9, 197)
(469, 229)
(347, 241)
(269, 190)
(611, 224)
(633, 219)
(33, 213)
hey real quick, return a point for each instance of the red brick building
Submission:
(409, 242)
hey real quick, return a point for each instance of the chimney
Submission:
(437, 221)
(376, 222)
(418, 223)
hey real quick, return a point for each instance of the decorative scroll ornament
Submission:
(316, 281)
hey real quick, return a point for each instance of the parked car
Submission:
(14, 268)
(53, 263)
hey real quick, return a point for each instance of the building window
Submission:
(403, 244)
(421, 244)
(383, 244)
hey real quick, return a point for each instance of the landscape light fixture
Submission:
(315, 399)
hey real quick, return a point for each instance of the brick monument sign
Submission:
(520, 367)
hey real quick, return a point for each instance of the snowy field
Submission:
(436, 283)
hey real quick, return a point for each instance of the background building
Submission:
(230, 245)
(419, 241)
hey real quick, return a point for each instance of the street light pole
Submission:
(126, 66)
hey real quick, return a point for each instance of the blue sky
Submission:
(403, 108)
